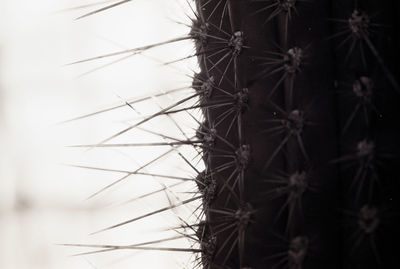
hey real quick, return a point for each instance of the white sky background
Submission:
(42, 203)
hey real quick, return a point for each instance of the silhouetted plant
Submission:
(300, 134)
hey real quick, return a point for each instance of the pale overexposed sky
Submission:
(42, 201)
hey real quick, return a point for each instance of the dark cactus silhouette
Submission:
(305, 157)
(301, 136)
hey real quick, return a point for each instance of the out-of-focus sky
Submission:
(42, 201)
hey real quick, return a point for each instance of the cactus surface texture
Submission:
(300, 134)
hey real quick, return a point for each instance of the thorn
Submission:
(133, 51)
(103, 9)
(148, 214)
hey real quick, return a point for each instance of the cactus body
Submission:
(300, 137)
(302, 161)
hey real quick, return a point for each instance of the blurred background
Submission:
(43, 200)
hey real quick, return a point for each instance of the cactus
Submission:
(299, 136)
